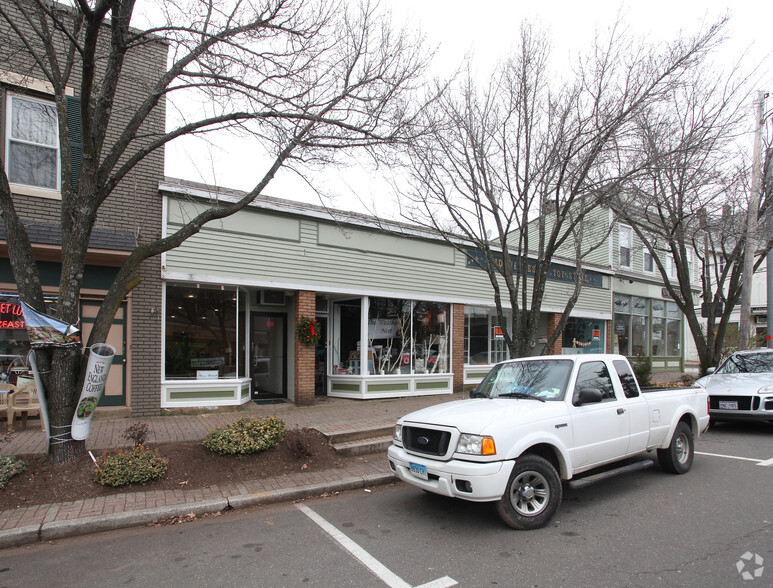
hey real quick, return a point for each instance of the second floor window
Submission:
(626, 246)
(648, 261)
(32, 143)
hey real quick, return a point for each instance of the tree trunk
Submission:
(63, 385)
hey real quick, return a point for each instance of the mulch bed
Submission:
(191, 465)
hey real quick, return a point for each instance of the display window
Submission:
(403, 337)
(583, 336)
(646, 327)
(483, 340)
(201, 332)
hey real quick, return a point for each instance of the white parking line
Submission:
(766, 463)
(384, 574)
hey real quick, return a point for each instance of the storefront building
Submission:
(398, 312)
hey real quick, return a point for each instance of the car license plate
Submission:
(418, 470)
(728, 405)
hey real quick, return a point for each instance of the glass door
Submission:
(268, 363)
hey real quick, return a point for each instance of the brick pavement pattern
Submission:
(328, 415)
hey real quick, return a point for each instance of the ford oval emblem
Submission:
(422, 441)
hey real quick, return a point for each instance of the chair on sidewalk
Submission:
(6, 389)
(24, 400)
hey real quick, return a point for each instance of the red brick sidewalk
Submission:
(333, 415)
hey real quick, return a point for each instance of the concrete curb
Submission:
(61, 529)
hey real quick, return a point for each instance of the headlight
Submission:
(765, 390)
(476, 445)
(398, 439)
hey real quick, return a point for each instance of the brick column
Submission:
(305, 306)
(609, 336)
(553, 320)
(457, 348)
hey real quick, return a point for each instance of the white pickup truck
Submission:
(536, 421)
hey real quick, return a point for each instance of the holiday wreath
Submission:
(308, 331)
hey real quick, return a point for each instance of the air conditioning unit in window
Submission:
(272, 298)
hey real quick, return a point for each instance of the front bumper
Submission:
(473, 481)
(750, 408)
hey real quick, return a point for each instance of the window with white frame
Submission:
(625, 238)
(32, 142)
(648, 261)
(670, 267)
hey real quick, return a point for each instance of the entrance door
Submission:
(320, 360)
(268, 364)
(115, 387)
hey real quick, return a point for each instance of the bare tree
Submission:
(307, 79)
(690, 203)
(517, 169)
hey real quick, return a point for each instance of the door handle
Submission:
(620, 411)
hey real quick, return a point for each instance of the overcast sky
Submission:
(486, 32)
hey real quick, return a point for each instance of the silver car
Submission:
(741, 388)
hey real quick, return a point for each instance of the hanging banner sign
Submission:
(100, 359)
(47, 331)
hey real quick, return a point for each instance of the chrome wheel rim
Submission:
(682, 448)
(530, 493)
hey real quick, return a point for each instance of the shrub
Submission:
(137, 433)
(138, 465)
(298, 443)
(9, 467)
(246, 436)
(642, 369)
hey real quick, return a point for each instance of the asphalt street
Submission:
(710, 527)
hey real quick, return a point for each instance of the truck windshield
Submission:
(540, 379)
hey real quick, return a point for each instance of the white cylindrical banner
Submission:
(100, 359)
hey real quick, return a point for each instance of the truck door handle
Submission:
(620, 411)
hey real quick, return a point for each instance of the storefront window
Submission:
(14, 341)
(583, 336)
(658, 328)
(632, 325)
(389, 335)
(639, 326)
(483, 341)
(430, 338)
(346, 336)
(673, 329)
(201, 339)
(404, 337)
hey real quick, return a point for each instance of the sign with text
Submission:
(100, 358)
(556, 273)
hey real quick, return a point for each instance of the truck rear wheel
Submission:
(677, 457)
(533, 494)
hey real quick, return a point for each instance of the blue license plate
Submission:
(418, 470)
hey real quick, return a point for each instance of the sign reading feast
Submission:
(557, 273)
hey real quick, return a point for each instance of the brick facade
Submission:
(134, 206)
(553, 320)
(305, 307)
(457, 348)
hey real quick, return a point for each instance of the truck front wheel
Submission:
(533, 494)
(677, 457)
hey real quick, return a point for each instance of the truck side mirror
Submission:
(587, 396)
(475, 394)
(710, 371)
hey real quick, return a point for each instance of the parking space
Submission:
(710, 527)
